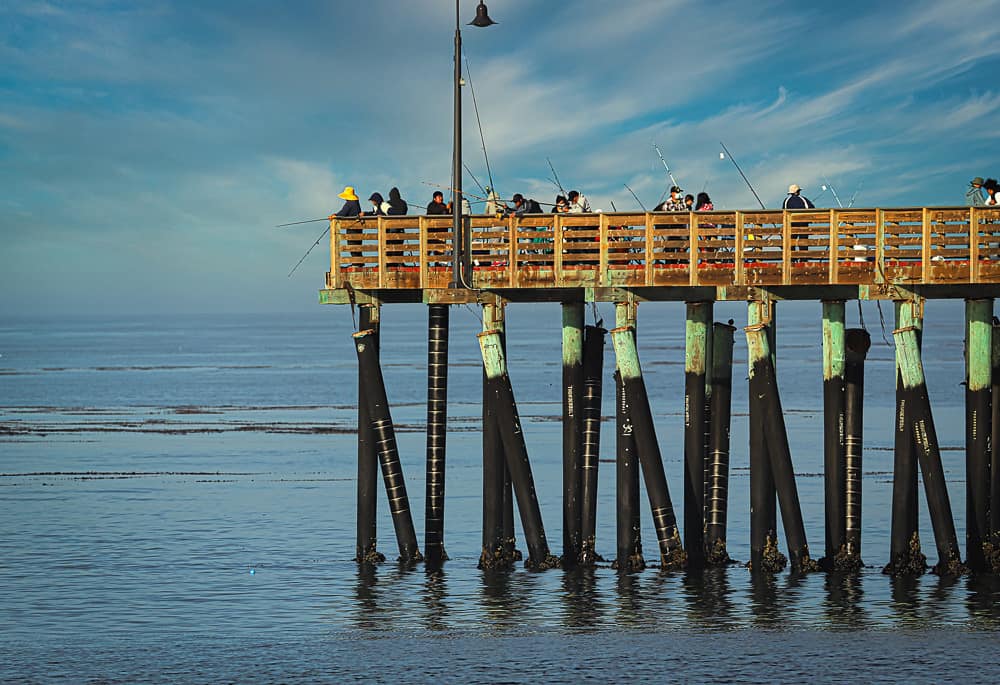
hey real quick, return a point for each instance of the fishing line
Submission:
(475, 105)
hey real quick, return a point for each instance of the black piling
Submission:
(993, 543)
(697, 361)
(593, 369)
(437, 431)
(764, 554)
(905, 555)
(765, 409)
(494, 468)
(833, 428)
(717, 502)
(672, 555)
(365, 550)
(978, 414)
(920, 422)
(515, 450)
(385, 441)
(858, 342)
(572, 398)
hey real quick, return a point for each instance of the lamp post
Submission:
(458, 234)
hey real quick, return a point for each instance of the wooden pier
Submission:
(837, 253)
(904, 255)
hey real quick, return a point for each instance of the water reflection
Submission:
(708, 597)
(764, 608)
(366, 595)
(983, 601)
(504, 600)
(583, 606)
(435, 591)
(905, 598)
(628, 608)
(842, 603)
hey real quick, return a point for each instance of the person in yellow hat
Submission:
(352, 207)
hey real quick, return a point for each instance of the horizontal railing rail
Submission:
(936, 245)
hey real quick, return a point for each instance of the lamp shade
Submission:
(482, 16)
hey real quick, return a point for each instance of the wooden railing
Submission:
(744, 248)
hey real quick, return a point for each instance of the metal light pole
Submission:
(458, 234)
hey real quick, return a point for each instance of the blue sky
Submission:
(147, 149)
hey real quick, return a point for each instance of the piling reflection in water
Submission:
(583, 605)
(708, 596)
(843, 600)
(435, 593)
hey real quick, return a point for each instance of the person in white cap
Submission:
(795, 199)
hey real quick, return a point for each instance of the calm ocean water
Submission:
(177, 504)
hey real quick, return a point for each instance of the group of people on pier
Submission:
(974, 195)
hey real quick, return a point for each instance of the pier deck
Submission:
(722, 255)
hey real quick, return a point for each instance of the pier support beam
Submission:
(593, 369)
(858, 343)
(629, 538)
(385, 440)
(437, 432)
(515, 450)
(365, 550)
(766, 412)
(672, 555)
(905, 556)
(697, 362)
(572, 373)
(493, 555)
(978, 414)
(764, 554)
(720, 411)
(919, 423)
(833, 427)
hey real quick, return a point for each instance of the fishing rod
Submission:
(613, 208)
(474, 178)
(556, 176)
(482, 138)
(635, 196)
(307, 221)
(833, 190)
(359, 220)
(670, 174)
(745, 179)
(855, 196)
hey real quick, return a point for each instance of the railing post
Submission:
(973, 246)
(692, 249)
(381, 251)
(925, 245)
(338, 278)
(786, 248)
(512, 226)
(739, 277)
(834, 248)
(648, 257)
(422, 252)
(603, 277)
(879, 246)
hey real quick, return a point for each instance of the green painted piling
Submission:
(993, 555)
(978, 415)
(905, 556)
(833, 427)
(515, 450)
(385, 441)
(763, 500)
(920, 422)
(765, 409)
(697, 358)
(628, 524)
(367, 487)
(664, 520)
(493, 554)
(720, 412)
(572, 369)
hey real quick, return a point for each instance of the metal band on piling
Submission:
(437, 431)
(717, 501)
(858, 342)
(593, 369)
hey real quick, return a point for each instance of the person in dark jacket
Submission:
(397, 205)
(437, 205)
(379, 205)
(796, 200)
(352, 207)
(523, 205)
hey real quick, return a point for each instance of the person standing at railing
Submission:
(561, 206)
(974, 195)
(991, 189)
(351, 208)
(396, 206)
(674, 203)
(578, 204)
(437, 207)
(796, 200)
(379, 205)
